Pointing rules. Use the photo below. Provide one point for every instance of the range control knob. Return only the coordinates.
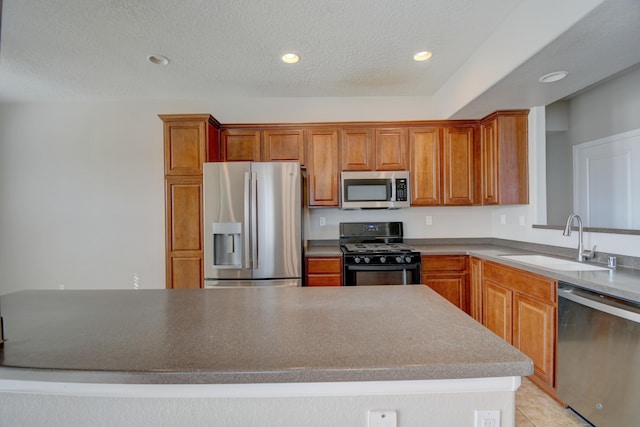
(356, 260)
(399, 259)
(367, 260)
(408, 259)
(383, 259)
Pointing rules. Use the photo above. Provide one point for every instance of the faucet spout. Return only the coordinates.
(567, 232)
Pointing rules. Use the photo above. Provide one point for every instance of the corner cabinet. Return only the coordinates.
(189, 141)
(503, 176)
(521, 308)
(442, 166)
(448, 276)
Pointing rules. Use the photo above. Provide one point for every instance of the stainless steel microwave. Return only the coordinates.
(375, 190)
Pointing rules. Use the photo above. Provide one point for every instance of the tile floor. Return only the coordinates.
(535, 409)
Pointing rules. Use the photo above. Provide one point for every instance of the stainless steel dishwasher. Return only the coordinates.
(599, 356)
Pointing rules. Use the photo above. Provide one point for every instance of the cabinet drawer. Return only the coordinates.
(444, 263)
(521, 281)
(324, 265)
(324, 280)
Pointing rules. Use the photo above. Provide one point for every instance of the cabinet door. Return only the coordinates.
(424, 155)
(475, 277)
(534, 334)
(322, 168)
(184, 243)
(357, 150)
(457, 166)
(283, 145)
(489, 166)
(324, 271)
(453, 287)
(185, 147)
(497, 309)
(239, 145)
(391, 149)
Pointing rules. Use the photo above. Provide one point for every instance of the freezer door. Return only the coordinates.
(227, 242)
(277, 247)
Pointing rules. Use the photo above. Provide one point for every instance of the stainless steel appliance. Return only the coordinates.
(375, 190)
(599, 356)
(374, 254)
(252, 220)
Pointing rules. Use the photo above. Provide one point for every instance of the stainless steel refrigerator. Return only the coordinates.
(252, 222)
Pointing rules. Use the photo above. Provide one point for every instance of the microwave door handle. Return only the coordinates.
(392, 190)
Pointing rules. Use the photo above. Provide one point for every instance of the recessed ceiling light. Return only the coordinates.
(158, 59)
(290, 58)
(422, 56)
(553, 77)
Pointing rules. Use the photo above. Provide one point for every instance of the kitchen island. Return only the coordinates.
(251, 356)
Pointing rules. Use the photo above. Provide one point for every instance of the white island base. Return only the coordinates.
(442, 403)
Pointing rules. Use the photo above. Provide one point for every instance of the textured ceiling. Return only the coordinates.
(62, 50)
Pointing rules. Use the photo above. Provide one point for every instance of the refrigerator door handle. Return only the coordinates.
(254, 220)
(247, 221)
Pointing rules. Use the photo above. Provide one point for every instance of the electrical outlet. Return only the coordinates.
(487, 419)
(428, 220)
(521, 220)
(503, 219)
(323, 221)
(61, 286)
(136, 281)
(383, 419)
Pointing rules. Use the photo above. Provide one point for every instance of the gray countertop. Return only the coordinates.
(620, 282)
(247, 335)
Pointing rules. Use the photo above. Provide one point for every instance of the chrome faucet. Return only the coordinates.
(582, 254)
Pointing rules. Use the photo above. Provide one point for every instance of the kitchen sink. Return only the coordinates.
(553, 263)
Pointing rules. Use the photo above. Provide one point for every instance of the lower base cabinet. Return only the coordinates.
(521, 307)
(448, 276)
(323, 271)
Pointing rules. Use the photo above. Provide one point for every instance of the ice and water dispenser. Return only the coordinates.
(227, 244)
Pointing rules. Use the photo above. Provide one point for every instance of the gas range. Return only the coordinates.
(375, 251)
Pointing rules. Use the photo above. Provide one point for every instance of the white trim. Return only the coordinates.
(469, 385)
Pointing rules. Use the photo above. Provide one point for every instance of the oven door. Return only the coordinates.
(367, 275)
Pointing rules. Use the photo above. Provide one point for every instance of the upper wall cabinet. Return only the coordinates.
(441, 165)
(323, 171)
(391, 149)
(503, 176)
(368, 149)
(255, 145)
(283, 145)
(189, 141)
(240, 145)
(357, 150)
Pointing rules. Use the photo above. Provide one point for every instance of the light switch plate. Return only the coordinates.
(383, 419)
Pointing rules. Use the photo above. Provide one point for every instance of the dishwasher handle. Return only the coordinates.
(614, 307)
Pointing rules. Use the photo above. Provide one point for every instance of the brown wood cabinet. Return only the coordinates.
(189, 141)
(357, 150)
(323, 170)
(457, 166)
(324, 271)
(391, 149)
(441, 166)
(284, 145)
(475, 285)
(521, 307)
(503, 176)
(240, 145)
(448, 276)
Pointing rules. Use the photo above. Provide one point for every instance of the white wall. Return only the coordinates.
(82, 196)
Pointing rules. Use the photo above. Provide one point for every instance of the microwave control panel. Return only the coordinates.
(401, 190)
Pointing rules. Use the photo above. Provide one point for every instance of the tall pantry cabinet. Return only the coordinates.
(189, 141)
